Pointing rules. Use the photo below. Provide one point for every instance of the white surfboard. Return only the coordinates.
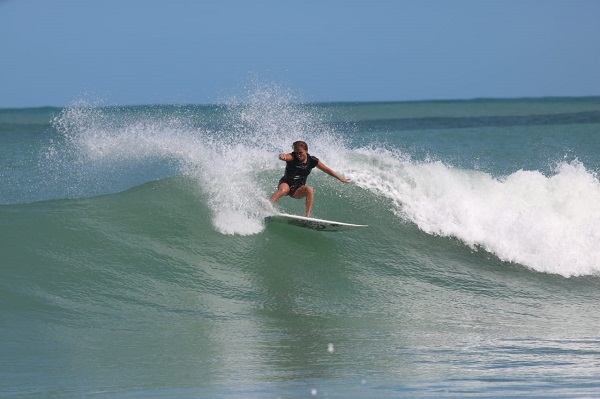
(312, 223)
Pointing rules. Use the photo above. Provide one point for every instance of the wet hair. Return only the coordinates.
(300, 145)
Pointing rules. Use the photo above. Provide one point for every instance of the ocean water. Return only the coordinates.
(135, 260)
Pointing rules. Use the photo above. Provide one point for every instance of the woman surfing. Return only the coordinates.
(299, 164)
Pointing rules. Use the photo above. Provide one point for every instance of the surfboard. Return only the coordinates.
(312, 223)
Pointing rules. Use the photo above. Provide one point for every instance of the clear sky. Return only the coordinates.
(53, 52)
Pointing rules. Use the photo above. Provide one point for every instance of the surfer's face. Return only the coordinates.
(301, 154)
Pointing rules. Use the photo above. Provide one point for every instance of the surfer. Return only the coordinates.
(299, 164)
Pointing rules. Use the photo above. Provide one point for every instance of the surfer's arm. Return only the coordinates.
(286, 157)
(330, 172)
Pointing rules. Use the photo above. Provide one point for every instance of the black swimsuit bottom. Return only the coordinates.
(293, 187)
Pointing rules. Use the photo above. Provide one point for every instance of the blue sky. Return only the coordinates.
(204, 51)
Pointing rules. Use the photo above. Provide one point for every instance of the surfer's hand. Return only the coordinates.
(344, 180)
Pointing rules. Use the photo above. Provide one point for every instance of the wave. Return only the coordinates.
(546, 222)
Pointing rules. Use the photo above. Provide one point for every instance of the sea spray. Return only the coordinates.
(233, 163)
(107, 149)
(242, 169)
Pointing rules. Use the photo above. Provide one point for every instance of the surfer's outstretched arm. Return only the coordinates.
(330, 172)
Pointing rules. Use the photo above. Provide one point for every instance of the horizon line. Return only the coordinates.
(310, 103)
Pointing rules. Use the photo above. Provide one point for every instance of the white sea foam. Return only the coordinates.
(547, 223)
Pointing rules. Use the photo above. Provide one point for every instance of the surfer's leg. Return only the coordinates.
(309, 193)
(282, 191)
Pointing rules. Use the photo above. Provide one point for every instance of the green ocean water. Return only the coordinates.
(135, 260)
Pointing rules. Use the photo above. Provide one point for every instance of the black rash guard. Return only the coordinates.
(296, 172)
